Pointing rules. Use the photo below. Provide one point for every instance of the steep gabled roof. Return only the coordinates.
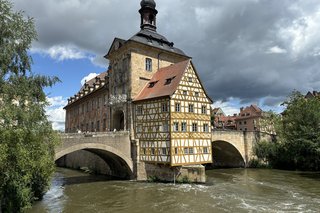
(161, 87)
(116, 44)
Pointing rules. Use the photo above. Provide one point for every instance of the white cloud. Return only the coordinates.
(61, 53)
(88, 78)
(57, 101)
(276, 50)
(229, 107)
(303, 33)
(56, 113)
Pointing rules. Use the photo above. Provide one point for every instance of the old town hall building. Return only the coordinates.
(152, 90)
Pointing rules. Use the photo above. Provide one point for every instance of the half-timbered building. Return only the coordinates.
(172, 117)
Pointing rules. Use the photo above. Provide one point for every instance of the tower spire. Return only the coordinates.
(148, 14)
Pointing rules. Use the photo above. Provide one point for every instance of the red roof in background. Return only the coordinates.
(160, 88)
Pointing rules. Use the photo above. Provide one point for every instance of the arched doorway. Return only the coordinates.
(118, 120)
(225, 155)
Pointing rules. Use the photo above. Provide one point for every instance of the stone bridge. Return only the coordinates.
(229, 148)
(235, 148)
(113, 147)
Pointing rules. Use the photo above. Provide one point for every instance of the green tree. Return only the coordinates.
(298, 136)
(26, 136)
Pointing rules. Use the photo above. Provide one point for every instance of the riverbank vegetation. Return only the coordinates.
(26, 136)
(298, 136)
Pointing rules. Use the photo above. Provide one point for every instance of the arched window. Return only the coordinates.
(151, 19)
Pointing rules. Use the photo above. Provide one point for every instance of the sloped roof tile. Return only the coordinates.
(160, 87)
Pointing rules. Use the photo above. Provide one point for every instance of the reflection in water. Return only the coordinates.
(227, 190)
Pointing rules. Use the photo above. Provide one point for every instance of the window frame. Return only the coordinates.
(204, 109)
(148, 64)
(194, 127)
(177, 107)
(191, 108)
(184, 127)
(176, 126)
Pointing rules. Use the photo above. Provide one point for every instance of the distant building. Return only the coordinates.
(249, 118)
(312, 94)
(89, 110)
(221, 121)
(217, 112)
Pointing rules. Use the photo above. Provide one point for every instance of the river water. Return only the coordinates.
(226, 190)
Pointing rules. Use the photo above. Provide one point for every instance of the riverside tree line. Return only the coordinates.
(26, 136)
(297, 144)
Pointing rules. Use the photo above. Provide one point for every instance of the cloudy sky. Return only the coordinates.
(246, 51)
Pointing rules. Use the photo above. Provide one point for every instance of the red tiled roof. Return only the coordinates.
(159, 79)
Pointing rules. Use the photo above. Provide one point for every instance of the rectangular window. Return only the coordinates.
(186, 151)
(165, 107)
(92, 127)
(98, 126)
(149, 64)
(205, 128)
(104, 125)
(165, 127)
(175, 151)
(190, 107)
(139, 128)
(190, 79)
(244, 122)
(144, 151)
(99, 102)
(194, 127)
(164, 151)
(191, 150)
(204, 110)
(184, 126)
(185, 93)
(177, 107)
(205, 150)
(93, 104)
(152, 151)
(196, 94)
(139, 110)
(175, 126)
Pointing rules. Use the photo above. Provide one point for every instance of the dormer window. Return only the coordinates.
(151, 84)
(169, 80)
(149, 64)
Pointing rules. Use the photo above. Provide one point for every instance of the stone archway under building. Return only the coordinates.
(118, 120)
(226, 155)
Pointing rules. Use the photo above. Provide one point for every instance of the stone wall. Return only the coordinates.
(166, 173)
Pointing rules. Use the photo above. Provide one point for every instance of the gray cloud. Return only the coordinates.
(246, 49)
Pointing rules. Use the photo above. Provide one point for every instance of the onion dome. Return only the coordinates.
(148, 3)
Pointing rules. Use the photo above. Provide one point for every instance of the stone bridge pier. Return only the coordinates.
(113, 147)
(235, 148)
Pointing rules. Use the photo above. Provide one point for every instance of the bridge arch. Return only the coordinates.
(118, 162)
(225, 154)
